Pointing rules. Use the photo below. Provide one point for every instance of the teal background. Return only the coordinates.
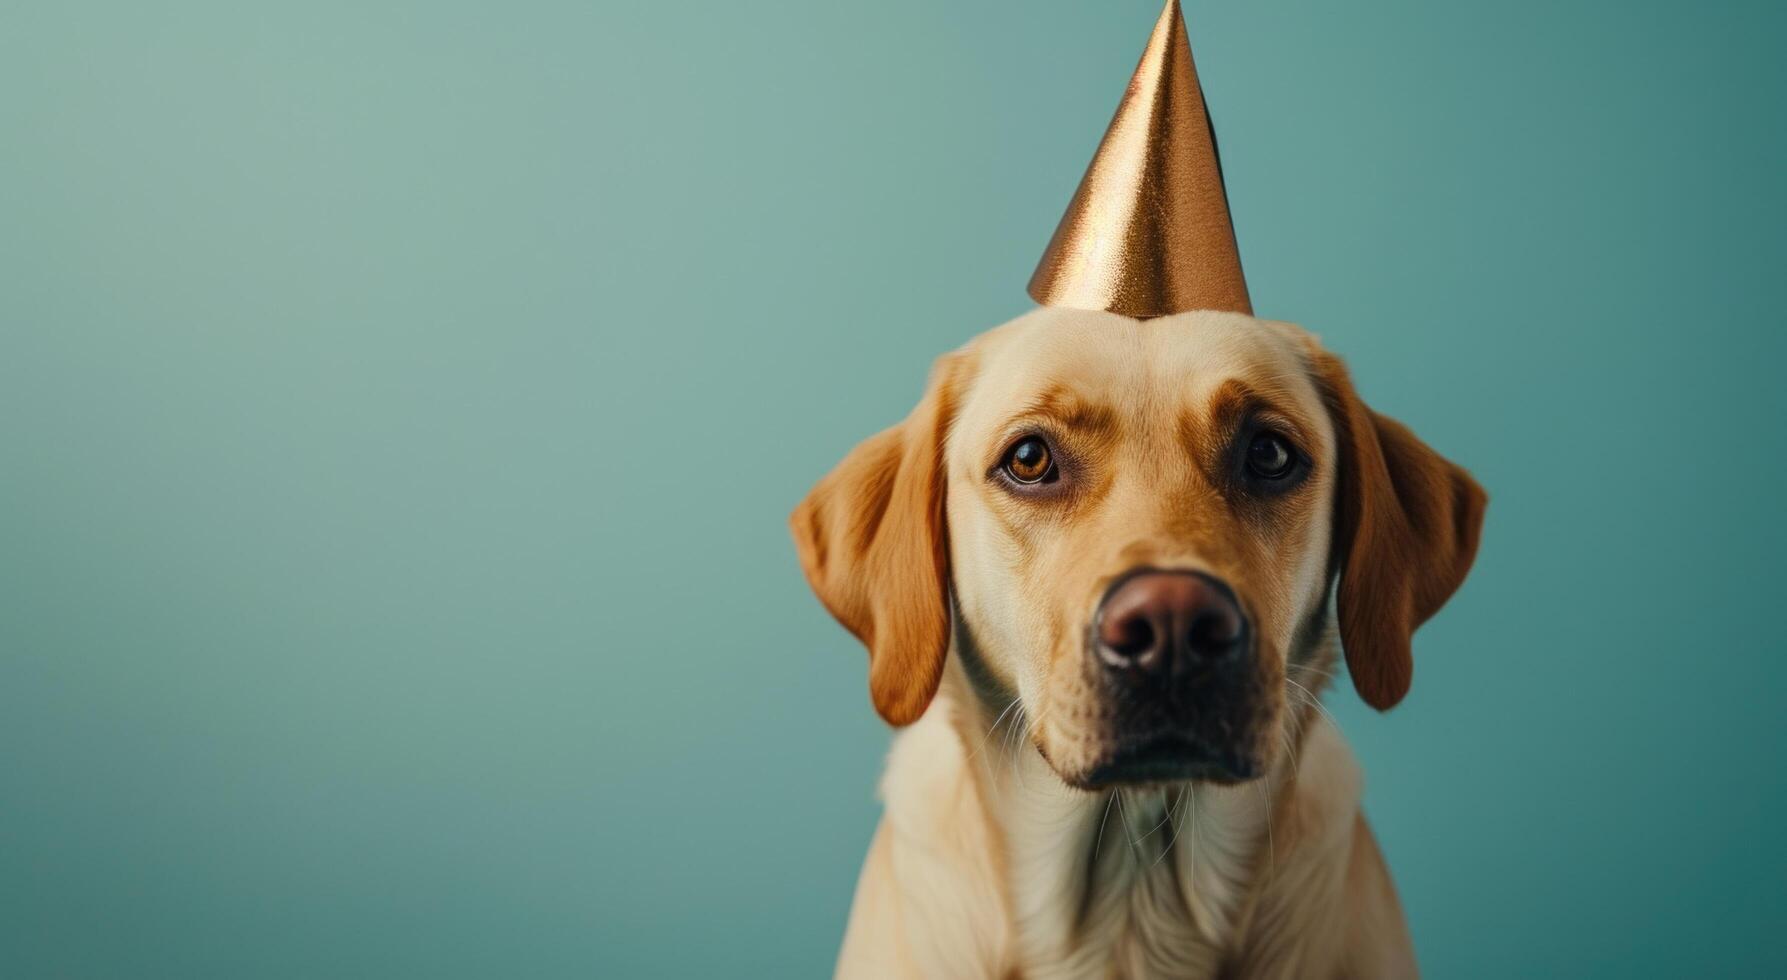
(400, 405)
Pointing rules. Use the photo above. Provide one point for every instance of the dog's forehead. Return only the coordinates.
(1111, 359)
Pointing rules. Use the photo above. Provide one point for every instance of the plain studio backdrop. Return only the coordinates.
(400, 406)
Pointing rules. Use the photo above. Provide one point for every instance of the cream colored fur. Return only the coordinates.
(987, 865)
(988, 862)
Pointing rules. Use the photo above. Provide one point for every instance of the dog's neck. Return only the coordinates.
(1158, 881)
(1157, 876)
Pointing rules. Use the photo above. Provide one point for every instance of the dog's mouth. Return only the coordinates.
(1168, 757)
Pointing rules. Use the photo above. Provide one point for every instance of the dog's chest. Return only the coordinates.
(1143, 884)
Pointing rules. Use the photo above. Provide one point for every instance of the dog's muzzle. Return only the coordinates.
(1175, 654)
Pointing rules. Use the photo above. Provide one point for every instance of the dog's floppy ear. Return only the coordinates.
(1406, 528)
(873, 544)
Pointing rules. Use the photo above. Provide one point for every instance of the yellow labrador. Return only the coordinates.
(1104, 570)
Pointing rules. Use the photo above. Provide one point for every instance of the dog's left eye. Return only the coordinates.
(1270, 457)
(1030, 461)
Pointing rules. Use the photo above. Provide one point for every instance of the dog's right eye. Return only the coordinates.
(1269, 457)
(1029, 461)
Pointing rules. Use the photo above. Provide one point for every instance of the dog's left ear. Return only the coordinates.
(873, 544)
(1406, 528)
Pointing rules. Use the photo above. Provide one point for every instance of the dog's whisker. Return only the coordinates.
(989, 759)
(1014, 703)
(1168, 849)
(1005, 745)
(1015, 740)
(1304, 690)
(1315, 702)
(986, 763)
(1099, 843)
(1319, 678)
(1196, 838)
(995, 727)
(1123, 818)
(1303, 701)
(1168, 815)
(1025, 741)
(1290, 751)
(1271, 848)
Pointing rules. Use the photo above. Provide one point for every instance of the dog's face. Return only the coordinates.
(1140, 523)
(1139, 515)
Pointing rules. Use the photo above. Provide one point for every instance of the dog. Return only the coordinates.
(1104, 570)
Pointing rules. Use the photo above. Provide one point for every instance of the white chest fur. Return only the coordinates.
(1002, 870)
(1145, 883)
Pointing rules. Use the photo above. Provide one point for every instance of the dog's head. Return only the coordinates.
(1140, 524)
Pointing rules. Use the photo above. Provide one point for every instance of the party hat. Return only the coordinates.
(1148, 233)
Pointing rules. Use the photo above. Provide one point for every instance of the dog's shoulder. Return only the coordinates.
(934, 875)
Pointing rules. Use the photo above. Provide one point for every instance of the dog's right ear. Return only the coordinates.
(1407, 522)
(873, 544)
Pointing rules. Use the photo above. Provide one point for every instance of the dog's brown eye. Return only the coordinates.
(1029, 461)
(1269, 457)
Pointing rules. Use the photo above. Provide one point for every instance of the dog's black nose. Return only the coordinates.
(1153, 624)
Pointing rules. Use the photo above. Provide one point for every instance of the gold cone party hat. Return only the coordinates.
(1148, 233)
